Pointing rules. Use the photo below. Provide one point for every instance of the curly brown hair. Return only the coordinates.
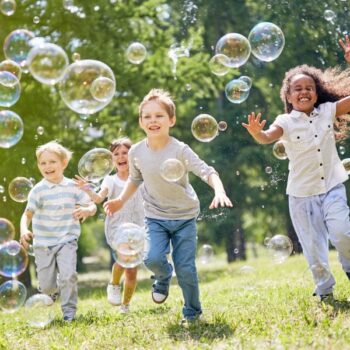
(332, 84)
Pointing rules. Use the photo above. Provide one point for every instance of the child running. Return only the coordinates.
(55, 206)
(171, 208)
(132, 212)
(314, 101)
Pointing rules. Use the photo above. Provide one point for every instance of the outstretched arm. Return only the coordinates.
(255, 128)
(84, 186)
(220, 197)
(114, 205)
(343, 105)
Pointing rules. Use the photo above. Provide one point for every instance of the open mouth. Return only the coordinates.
(122, 163)
(304, 99)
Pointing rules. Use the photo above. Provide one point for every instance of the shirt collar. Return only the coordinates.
(64, 182)
(297, 114)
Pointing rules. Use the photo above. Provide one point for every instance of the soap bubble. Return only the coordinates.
(205, 254)
(19, 189)
(12, 296)
(329, 15)
(237, 91)
(36, 19)
(13, 259)
(7, 230)
(222, 125)
(247, 80)
(103, 89)
(219, 64)
(17, 46)
(12, 67)
(346, 164)
(279, 150)
(11, 128)
(39, 311)
(136, 53)
(268, 170)
(95, 164)
(76, 56)
(128, 242)
(342, 150)
(267, 41)
(172, 170)
(10, 89)
(75, 87)
(47, 63)
(40, 130)
(204, 128)
(8, 7)
(236, 47)
(280, 248)
(320, 273)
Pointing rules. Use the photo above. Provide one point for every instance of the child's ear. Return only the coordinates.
(288, 98)
(172, 121)
(64, 163)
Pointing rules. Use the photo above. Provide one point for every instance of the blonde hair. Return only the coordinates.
(56, 148)
(161, 96)
(123, 141)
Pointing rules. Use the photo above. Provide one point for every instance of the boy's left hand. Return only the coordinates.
(346, 47)
(221, 199)
(81, 213)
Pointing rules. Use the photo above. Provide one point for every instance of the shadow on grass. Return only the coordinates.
(201, 330)
(338, 306)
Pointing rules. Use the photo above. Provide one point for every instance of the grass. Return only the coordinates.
(266, 307)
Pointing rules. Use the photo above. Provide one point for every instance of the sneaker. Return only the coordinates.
(327, 298)
(159, 297)
(113, 294)
(68, 318)
(124, 308)
(191, 321)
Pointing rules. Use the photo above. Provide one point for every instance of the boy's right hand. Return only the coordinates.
(254, 126)
(112, 206)
(25, 239)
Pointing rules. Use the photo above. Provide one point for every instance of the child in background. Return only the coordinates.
(171, 208)
(314, 101)
(133, 212)
(55, 206)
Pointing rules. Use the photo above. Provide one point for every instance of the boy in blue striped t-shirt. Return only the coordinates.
(55, 206)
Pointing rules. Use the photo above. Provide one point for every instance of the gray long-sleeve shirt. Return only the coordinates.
(163, 199)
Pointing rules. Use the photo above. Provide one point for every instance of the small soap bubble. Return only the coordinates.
(329, 15)
(8, 7)
(222, 125)
(172, 170)
(12, 296)
(39, 311)
(247, 80)
(7, 230)
(321, 273)
(279, 150)
(19, 189)
(23, 161)
(280, 247)
(103, 89)
(268, 170)
(40, 130)
(136, 53)
(204, 128)
(205, 254)
(346, 164)
(10, 89)
(219, 64)
(76, 56)
(2, 189)
(342, 150)
(237, 91)
(188, 87)
(11, 128)
(36, 19)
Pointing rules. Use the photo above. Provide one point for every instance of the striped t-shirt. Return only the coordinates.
(52, 206)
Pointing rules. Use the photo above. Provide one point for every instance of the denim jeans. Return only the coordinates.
(183, 237)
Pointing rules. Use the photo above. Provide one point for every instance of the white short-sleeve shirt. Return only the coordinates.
(314, 164)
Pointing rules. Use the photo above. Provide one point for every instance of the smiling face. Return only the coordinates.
(155, 120)
(120, 159)
(51, 166)
(302, 93)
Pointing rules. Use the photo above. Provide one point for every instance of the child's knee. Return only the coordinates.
(68, 278)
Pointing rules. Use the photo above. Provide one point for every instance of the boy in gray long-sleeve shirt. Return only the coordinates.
(171, 207)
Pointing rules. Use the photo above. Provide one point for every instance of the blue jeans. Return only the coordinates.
(183, 237)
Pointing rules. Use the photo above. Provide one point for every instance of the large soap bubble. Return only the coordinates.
(219, 64)
(237, 91)
(11, 128)
(280, 248)
(47, 62)
(19, 189)
(76, 86)
(17, 46)
(279, 151)
(13, 259)
(128, 242)
(12, 67)
(95, 164)
(12, 296)
(205, 254)
(10, 89)
(236, 47)
(7, 230)
(136, 53)
(39, 310)
(204, 128)
(267, 41)
(172, 170)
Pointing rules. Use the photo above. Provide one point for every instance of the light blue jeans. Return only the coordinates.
(317, 219)
(183, 237)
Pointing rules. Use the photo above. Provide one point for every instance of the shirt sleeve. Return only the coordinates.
(196, 165)
(134, 172)
(282, 122)
(33, 202)
(329, 109)
(83, 198)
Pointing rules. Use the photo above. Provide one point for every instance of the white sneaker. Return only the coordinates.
(159, 298)
(113, 294)
(124, 308)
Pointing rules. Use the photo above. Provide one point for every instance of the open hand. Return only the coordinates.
(81, 183)
(346, 47)
(254, 126)
(112, 206)
(220, 199)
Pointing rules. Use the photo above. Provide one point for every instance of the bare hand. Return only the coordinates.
(25, 240)
(81, 213)
(220, 199)
(346, 47)
(112, 206)
(254, 126)
(81, 183)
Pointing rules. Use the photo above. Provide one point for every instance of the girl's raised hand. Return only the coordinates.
(81, 183)
(346, 47)
(254, 126)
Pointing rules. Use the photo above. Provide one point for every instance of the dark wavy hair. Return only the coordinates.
(123, 141)
(331, 85)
